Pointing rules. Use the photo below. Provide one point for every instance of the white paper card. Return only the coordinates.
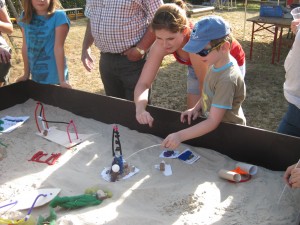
(168, 169)
(10, 123)
(106, 176)
(62, 138)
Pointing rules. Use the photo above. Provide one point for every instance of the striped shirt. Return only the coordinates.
(117, 25)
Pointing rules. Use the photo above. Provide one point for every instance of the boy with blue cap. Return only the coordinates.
(223, 90)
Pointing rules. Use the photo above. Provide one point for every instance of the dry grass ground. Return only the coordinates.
(263, 107)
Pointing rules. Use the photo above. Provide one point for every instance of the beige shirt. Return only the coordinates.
(225, 88)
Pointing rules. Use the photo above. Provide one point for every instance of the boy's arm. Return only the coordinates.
(212, 122)
(61, 33)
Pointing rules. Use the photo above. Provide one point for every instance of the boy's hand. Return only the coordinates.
(144, 117)
(292, 176)
(172, 141)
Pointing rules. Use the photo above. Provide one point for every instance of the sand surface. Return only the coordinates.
(193, 194)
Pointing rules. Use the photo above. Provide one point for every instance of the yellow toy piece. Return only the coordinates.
(31, 221)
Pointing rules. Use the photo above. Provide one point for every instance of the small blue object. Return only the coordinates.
(168, 153)
(186, 155)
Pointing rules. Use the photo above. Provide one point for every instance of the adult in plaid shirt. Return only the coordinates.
(5, 51)
(120, 29)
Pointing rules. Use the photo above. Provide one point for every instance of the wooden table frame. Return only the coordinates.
(267, 23)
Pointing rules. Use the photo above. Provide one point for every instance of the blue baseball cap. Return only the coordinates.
(207, 29)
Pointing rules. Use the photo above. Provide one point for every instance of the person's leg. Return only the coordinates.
(108, 67)
(290, 123)
(193, 89)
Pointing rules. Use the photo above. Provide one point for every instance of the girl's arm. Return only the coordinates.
(141, 91)
(215, 117)
(200, 68)
(5, 23)
(61, 33)
(25, 59)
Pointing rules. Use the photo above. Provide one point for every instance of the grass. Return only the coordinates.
(264, 105)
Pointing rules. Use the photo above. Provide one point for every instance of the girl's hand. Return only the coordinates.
(22, 78)
(64, 84)
(144, 117)
(192, 113)
(5, 56)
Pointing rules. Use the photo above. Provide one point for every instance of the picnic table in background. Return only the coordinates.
(74, 12)
(268, 23)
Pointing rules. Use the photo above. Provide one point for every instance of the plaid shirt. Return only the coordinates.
(117, 25)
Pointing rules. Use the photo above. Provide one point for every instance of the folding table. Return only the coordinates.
(268, 23)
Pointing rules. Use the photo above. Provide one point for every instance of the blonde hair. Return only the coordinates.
(171, 17)
(29, 9)
(220, 40)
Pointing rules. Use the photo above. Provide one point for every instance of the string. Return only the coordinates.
(8, 221)
(48, 121)
(286, 185)
(142, 150)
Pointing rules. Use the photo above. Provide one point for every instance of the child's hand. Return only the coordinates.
(172, 141)
(64, 84)
(292, 176)
(294, 25)
(192, 113)
(144, 117)
(22, 78)
(5, 56)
